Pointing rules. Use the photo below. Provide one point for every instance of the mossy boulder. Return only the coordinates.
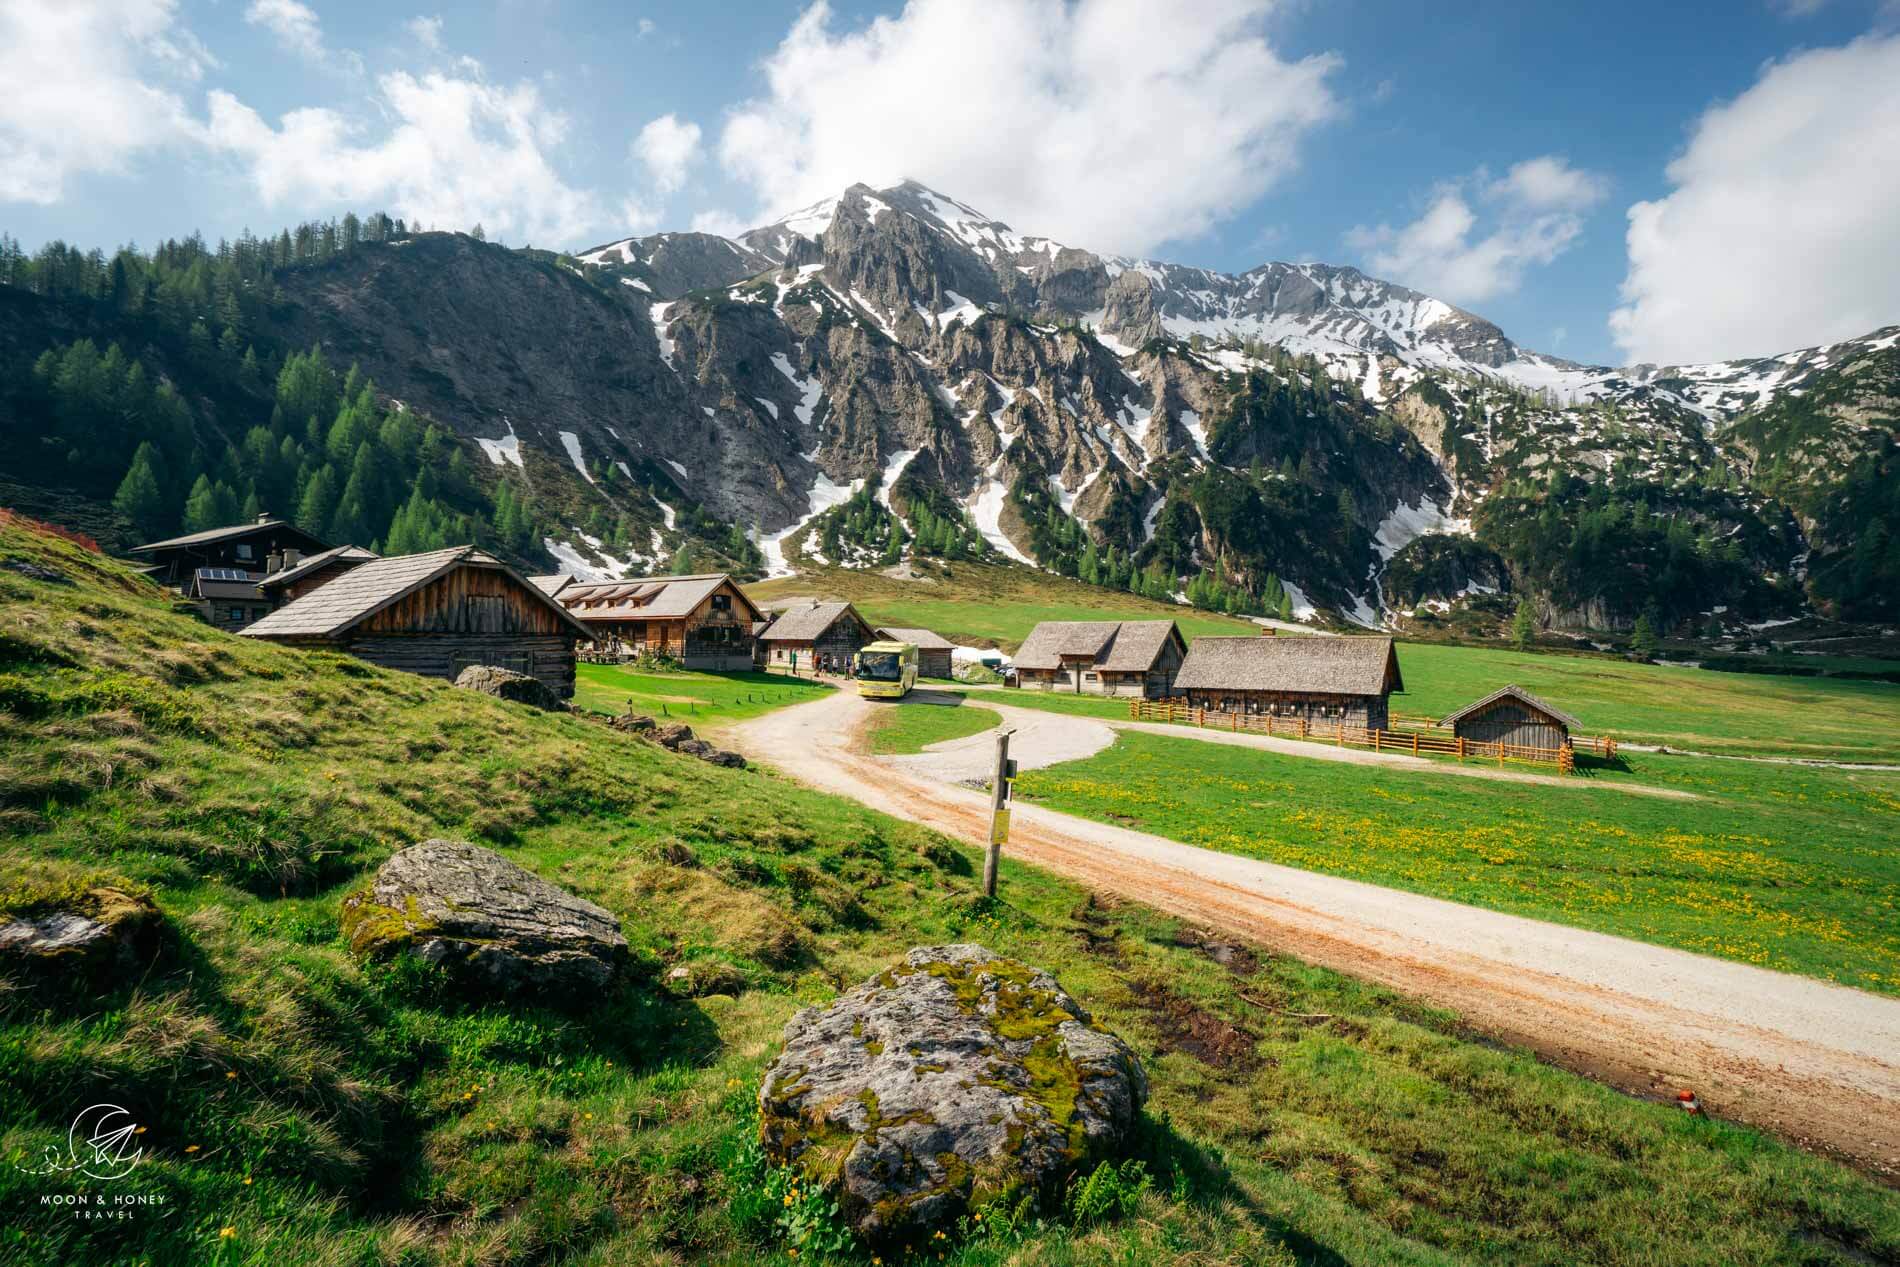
(508, 684)
(86, 934)
(485, 921)
(950, 1078)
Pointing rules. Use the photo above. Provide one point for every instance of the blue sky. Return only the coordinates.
(1489, 153)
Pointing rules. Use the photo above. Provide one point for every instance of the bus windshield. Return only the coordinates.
(880, 666)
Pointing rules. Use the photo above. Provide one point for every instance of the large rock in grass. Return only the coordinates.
(507, 684)
(485, 920)
(100, 931)
(953, 1077)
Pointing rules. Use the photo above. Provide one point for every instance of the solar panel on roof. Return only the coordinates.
(223, 574)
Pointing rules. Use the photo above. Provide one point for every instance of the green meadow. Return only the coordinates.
(307, 1109)
(1787, 867)
(912, 725)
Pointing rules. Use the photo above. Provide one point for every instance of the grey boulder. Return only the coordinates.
(507, 684)
(950, 1078)
(485, 920)
(99, 931)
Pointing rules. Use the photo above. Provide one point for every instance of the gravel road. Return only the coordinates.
(1817, 1063)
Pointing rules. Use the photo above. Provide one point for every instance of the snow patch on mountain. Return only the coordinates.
(1407, 523)
(893, 469)
(506, 449)
(987, 511)
(572, 443)
(824, 494)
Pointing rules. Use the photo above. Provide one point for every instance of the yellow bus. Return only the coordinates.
(885, 670)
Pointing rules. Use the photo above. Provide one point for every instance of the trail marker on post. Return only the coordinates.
(999, 810)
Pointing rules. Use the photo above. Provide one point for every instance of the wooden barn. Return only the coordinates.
(297, 576)
(933, 650)
(704, 621)
(1101, 657)
(825, 634)
(435, 614)
(1325, 681)
(1512, 715)
(241, 547)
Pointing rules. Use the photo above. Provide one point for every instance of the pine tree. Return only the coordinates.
(138, 498)
(1643, 638)
(317, 508)
(208, 506)
(1523, 624)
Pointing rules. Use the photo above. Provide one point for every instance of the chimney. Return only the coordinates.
(263, 517)
(292, 556)
(273, 563)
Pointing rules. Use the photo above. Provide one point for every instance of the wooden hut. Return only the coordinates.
(1325, 681)
(933, 650)
(1512, 715)
(435, 614)
(827, 634)
(705, 621)
(288, 583)
(1101, 657)
(240, 547)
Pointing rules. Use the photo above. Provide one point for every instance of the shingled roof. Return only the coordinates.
(1519, 693)
(922, 639)
(360, 593)
(808, 624)
(644, 597)
(210, 535)
(306, 566)
(1052, 640)
(1128, 646)
(1325, 666)
(552, 583)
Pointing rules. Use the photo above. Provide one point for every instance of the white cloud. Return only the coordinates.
(456, 151)
(668, 147)
(1117, 124)
(427, 31)
(294, 25)
(78, 94)
(645, 28)
(1783, 228)
(1531, 215)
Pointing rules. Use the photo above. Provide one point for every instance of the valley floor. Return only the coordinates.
(1808, 1059)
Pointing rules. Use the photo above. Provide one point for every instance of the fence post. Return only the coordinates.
(1375, 740)
(999, 811)
(1341, 738)
(1461, 747)
(1415, 743)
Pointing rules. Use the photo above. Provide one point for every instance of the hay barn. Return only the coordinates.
(1322, 680)
(435, 614)
(1512, 715)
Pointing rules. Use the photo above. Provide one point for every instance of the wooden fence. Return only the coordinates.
(1417, 742)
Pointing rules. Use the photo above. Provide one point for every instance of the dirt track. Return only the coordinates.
(1816, 1063)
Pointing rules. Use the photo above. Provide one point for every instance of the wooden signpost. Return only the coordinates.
(999, 810)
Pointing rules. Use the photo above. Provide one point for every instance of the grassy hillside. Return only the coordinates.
(303, 1108)
(1785, 867)
(1830, 719)
(984, 604)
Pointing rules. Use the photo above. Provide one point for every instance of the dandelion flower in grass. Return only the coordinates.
(247, 1181)
(191, 1148)
(226, 1233)
(230, 1073)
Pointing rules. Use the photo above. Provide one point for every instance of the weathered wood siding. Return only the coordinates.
(933, 662)
(549, 657)
(1318, 708)
(468, 600)
(1512, 721)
